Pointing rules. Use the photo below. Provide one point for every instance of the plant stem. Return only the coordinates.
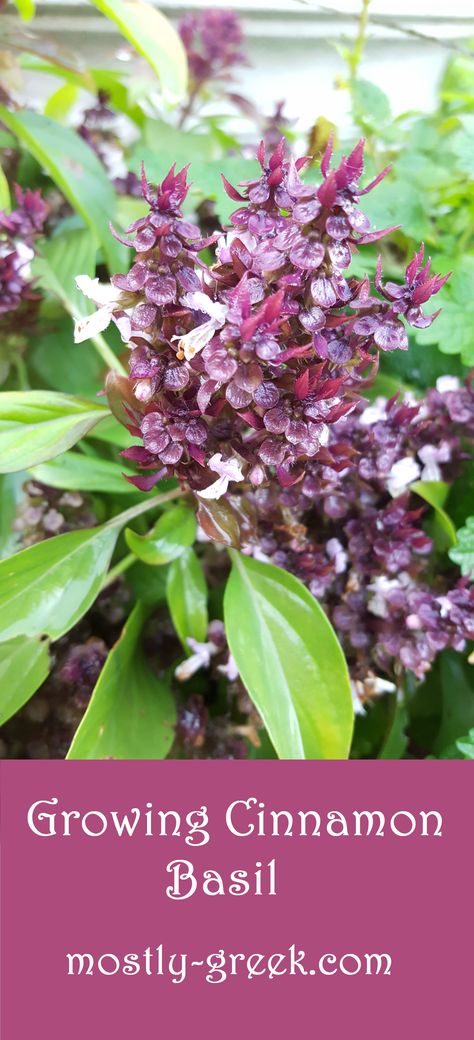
(144, 507)
(119, 568)
(355, 57)
(107, 354)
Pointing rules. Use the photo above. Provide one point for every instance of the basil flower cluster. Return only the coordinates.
(18, 233)
(239, 368)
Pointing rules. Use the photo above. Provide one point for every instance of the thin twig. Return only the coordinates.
(388, 23)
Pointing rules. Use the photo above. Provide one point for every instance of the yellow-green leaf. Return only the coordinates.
(154, 37)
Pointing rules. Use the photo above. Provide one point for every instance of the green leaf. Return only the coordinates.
(290, 661)
(154, 37)
(76, 472)
(60, 259)
(207, 180)
(59, 103)
(131, 714)
(37, 425)
(60, 364)
(463, 551)
(396, 740)
(111, 432)
(5, 200)
(371, 105)
(11, 493)
(205, 173)
(173, 532)
(463, 145)
(435, 492)
(186, 593)
(24, 665)
(48, 587)
(26, 9)
(148, 584)
(76, 171)
(466, 745)
(457, 714)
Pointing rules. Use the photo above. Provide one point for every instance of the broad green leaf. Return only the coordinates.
(60, 364)
(463, 551)
(418, 367)
(77, 172)
(5, 200)
(187, 597)
(154, 37)
(131, 714)
(11, 493)
(398, 201)
(24, 665)
(76, 472)
(290, 661)
(111, 432)
(37, 425)
(60, 259)
(173, 532)
(148, 584)
(457, 693)
(26, 9)
(435, 492)
(48, 587)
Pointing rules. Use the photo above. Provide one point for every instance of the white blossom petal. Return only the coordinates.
(402, 474)
(92, 324)
(215, 490)
(374, 412)
(200, 301)
(195, 341)
(101, 293)
(228, 469)
(447, 384)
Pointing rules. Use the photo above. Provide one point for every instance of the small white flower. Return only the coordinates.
(228, 469)
(380, 587)
(446, 384)
(201, 658)
(431, 456)
(193, 342)
(402, 474)
(337, 554)
(107, 299)
(413, 623)
(445, 606)
(356, 701)
(374, 412)
(229, 669)
(379, 685)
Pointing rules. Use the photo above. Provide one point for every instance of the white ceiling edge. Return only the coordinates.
(432, 10)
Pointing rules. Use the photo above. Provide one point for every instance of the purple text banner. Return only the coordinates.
(225, 899)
